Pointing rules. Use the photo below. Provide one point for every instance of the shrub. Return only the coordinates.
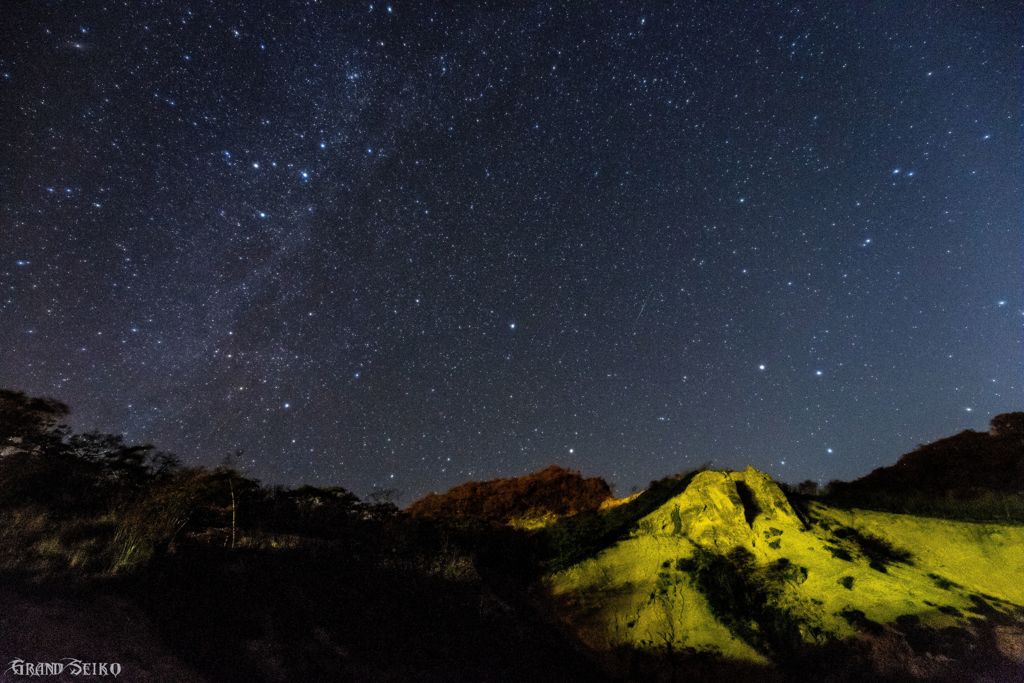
(573, 539)
(880, 552)
(149, 525)
(1007, 424)
(860, 621)
(742, 597)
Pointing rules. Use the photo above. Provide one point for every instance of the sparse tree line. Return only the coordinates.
(242, 579)
(137, 501)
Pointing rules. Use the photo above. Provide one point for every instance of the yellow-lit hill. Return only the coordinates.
(189, 573)
(728, 567)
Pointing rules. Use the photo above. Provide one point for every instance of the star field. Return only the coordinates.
(402, 245)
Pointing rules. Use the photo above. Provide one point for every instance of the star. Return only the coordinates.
(469, 174)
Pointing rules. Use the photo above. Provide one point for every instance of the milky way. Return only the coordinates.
(405, 245)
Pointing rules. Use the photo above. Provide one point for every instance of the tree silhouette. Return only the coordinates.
(28, 423)
(1007, 424)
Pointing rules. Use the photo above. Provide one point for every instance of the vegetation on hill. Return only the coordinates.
(551, 492)
(972, 475)
(573, 538)
(704, 575)
(728, 568)
(217, 577)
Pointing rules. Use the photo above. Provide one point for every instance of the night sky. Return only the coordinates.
(404, 245)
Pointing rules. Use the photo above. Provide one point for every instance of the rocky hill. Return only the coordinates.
(729, 569)
(116, 551)
(551, 492)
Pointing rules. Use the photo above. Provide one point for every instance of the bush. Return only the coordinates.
(741, 597)
(880, 552)
(1007, 424)
(150, 524)
(573, 539)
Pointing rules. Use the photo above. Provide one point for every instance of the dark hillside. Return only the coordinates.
(116, 551)
(971, 474)
(120, 552)
(553, 490)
